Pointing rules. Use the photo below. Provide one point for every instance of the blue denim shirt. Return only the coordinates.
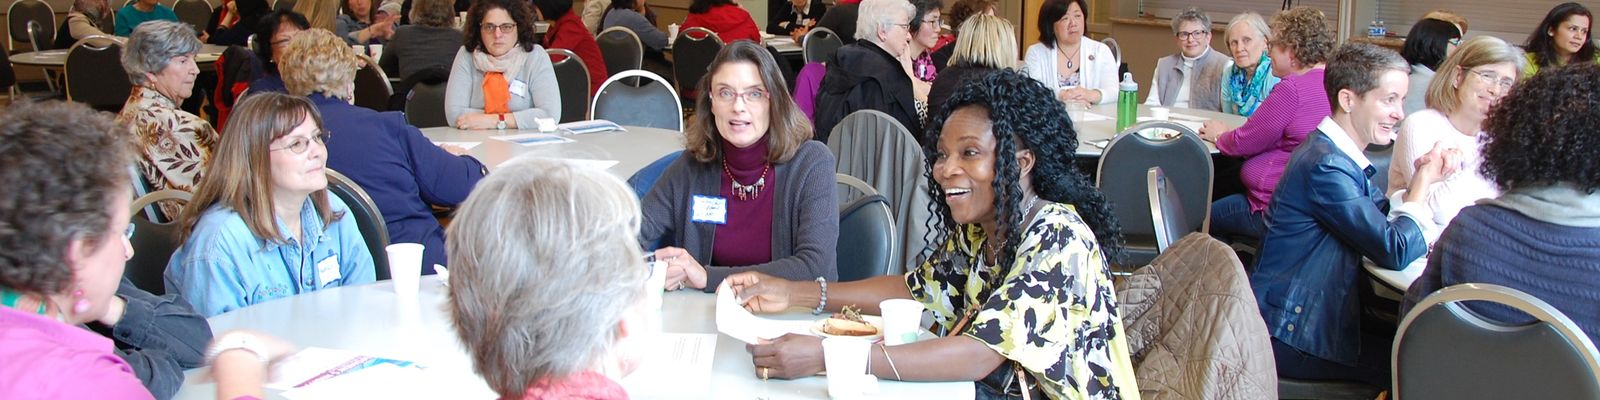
(223, 266)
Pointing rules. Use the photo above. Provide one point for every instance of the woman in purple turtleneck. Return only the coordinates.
(752, 191)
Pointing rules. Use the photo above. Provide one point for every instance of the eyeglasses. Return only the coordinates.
(129, 232)
(933, 22)
(1455, 41)
(509, 27)
(1196, 34)
(727, 96)
(300, 144)
(905, 25)
(1492, 78)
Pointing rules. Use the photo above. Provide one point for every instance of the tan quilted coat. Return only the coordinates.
(1193, 327)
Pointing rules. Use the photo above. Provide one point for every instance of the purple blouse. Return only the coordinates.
(63, 361)
(1293, 109)
(747, 237)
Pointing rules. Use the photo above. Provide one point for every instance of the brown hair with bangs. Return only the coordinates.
(240, 174)
(788, 128)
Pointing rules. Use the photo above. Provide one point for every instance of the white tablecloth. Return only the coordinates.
(371, 320)
(632, 149)
(1101, 125)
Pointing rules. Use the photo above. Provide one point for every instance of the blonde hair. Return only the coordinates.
(1443, 93)
(1448, 16)
(316, 61)
(544, 262)
(320, 13)
(985, 40)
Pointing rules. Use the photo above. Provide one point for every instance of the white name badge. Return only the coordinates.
(709, 209)
(328, 270)
(519, 88)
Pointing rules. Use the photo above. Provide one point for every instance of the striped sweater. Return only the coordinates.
(1290, 112)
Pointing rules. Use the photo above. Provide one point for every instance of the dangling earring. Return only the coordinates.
(80, 305)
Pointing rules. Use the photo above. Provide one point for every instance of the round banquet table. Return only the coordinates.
(632, 149)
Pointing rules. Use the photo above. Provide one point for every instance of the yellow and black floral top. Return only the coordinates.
(174, 145)
(1055, 311)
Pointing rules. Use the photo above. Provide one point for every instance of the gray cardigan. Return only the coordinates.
(805, 215)
(464, 93)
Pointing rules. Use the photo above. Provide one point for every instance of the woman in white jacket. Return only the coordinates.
(1077, 67)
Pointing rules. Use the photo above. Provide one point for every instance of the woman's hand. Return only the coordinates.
(477, 121)
(787, 357)
(1431, 168)
(1212, 130)
(682, 269)
(761, 292)
(1079, 94)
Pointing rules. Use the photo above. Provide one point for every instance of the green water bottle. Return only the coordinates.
(1127, 102)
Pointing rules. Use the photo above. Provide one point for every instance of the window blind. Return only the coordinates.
(1484, 17)
(1223, 10)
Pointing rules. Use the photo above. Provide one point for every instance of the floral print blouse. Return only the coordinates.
(174, 145)
(1055, 311)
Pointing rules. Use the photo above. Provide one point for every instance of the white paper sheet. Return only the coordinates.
(735, 321)
(464, 145)
(678, 365)
(316, 364)
(533, 139)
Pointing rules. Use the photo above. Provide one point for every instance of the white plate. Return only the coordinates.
(875, 321)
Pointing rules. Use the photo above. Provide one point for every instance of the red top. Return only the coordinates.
(730, 22)
(569, 33)
(586, 385)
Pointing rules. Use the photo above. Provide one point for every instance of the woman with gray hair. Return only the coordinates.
(1248, 78)
(404, 172)
(871, 74)
(86, 18)
(547, 291)
(1190, 78)
(175, 145)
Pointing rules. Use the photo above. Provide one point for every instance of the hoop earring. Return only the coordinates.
(80, 305)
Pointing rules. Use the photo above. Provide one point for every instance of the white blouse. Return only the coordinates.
(1097, 68)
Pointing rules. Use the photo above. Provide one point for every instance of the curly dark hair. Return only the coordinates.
(1304, 31)
(1052, 11)
(1025, 115)
(1428, 41)
(1543, 132)
(1543, 46)
(66, 165)
(521, 14)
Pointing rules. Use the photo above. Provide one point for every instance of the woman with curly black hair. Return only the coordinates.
(1023, 254)
(1542, 235)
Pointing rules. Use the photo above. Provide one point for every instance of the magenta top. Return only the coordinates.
(61, 361)
(747, 237)
(1290, 112)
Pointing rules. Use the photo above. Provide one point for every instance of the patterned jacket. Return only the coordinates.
(174, 145)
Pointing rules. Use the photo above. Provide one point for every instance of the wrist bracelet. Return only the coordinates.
(822, 301)
(890, 360)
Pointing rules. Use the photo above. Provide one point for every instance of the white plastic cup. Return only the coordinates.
(901, 320)
(376, 50)
(405, 267)
(845, 359)
(672, 31)
(1160, 113)
(1077, 110)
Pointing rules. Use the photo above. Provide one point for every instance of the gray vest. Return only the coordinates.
(1204, 90)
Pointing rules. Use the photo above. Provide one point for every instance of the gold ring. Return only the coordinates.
(764, 372)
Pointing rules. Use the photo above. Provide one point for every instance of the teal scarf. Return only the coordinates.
(1244, 95)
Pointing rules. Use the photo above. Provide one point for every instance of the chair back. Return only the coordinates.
(1122, 177)
(39, 38)
(372, 86)
(645, 178)
(572, 76)
(425, 108)
(819, 44)
(1380, 156)
(653, 103)
(1166, 210)
(621, 49)
(1116, 49)
(196, 13)
(874, 147)
(867, 243)
(368, 219)
(95, 75)
(1444, 350)
(692, 53)
(23, 11)
(153, 242)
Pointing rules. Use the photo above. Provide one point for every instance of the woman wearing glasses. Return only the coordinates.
(751, 192)
(502, 78)
(1066, 60)
(1191, 78)
(262, 225)
(1469, 84)
(872, 74)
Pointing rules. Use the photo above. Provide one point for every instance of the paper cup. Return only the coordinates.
(672, 31)
(405, 267)
(845, 358)
(1160, 113)
(901, 318)
(1077, 110)
(376, 51)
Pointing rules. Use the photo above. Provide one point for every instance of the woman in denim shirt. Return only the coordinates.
(261, 225)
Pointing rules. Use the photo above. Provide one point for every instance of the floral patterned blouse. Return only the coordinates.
(174, 145)
(1055, 311)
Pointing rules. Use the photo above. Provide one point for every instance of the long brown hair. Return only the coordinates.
(240, 174)
(788, 128)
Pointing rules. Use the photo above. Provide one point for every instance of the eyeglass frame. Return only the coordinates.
(321, 138)
(718, 96)
(1491, 78)
(509, 27)
(1194, 34)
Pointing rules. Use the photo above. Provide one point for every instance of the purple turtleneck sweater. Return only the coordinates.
(747, 237)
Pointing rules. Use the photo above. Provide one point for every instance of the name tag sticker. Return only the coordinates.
(328, 270)
(519, 88)
(709, 209)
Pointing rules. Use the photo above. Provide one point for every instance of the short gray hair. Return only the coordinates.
(1252, 20)
(877, 15)
(1191, 14)
(544, 262)
(152, 46)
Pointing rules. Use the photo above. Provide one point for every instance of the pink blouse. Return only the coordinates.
(62, 361)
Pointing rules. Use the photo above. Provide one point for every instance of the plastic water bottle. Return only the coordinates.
(1127, 102)
(1372, 29)
(1382, 30)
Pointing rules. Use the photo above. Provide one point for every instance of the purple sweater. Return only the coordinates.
(747, 238)
(1290, 112)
